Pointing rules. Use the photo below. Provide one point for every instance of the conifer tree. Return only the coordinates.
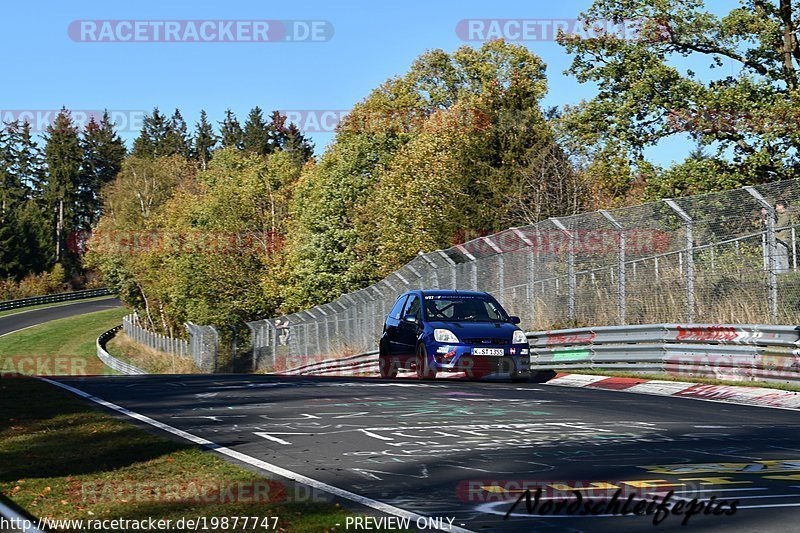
(63, 158)
(151, 140)
(297, 144)
(177, 140)
(257, 136)
(231, 131)
(205, 140)
(103, 153)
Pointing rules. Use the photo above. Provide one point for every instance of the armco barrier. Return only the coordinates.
(112, 362)
(366, 363)
(729, 352)
(721, 351)
(53, 298)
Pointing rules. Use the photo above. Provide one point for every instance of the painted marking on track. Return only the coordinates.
(217, 418)
(21, 329)
(375, 435)
(258, 463)
(272, 437)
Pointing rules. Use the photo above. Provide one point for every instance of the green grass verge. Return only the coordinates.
(690, 379)
(67, 344)
(44, 306)
(61, 457)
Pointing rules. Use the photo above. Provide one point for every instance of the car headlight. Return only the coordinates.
(519, 337)
(444, 335)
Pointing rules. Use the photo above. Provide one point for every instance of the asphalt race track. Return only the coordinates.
(25, 319)
(453, 448)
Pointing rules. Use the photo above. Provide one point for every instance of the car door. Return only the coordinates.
(391, 326)
(407, 331)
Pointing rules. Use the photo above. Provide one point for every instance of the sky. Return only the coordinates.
(51, 60)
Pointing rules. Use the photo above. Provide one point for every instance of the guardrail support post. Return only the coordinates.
(621, 298)
(772, 254)
(689, 264)
(571, 279)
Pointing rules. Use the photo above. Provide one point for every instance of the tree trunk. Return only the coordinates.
(789, 43)
(59, 229)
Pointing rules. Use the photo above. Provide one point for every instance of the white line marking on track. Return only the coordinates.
(18, 330)
(375, 435)
(258, 463)
(271, 436)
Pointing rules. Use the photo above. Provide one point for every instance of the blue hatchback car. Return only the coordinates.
(433, 331)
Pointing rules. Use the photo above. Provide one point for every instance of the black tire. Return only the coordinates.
(520, 380)
(387, 369)
(423, 370)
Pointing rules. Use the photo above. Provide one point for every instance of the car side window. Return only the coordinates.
(398, 308)
(492, 311)
(413, 307)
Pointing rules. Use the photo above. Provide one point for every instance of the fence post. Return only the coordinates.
(530, 286)
(356, 329)
(434, 267)
(326, 323)
(689, 263)
(256, 342)
(274, 340)
(571, 279)
(352, 318)
(501, 279)
(416, 273)
(233, 348)
(339, 336)
(473, 264)
(772, 255)
(621, 297)
(453, 274)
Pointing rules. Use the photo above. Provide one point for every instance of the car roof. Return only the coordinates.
(441, 292)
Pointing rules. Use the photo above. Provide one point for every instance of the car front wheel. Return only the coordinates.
(424, 371)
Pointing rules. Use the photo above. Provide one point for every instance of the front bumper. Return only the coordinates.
(514, 363)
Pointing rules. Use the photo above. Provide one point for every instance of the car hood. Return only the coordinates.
(477, 329)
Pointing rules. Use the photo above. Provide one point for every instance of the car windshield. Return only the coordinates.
(463, 309)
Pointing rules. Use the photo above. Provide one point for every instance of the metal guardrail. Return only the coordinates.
(112, 362)
(722, 351)
(53, 298)
(354, 364)
(728, 352)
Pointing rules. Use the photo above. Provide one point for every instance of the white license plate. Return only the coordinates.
(487, 351)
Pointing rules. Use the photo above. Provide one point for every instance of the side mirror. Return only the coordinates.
(410, 318)
(514, 320)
